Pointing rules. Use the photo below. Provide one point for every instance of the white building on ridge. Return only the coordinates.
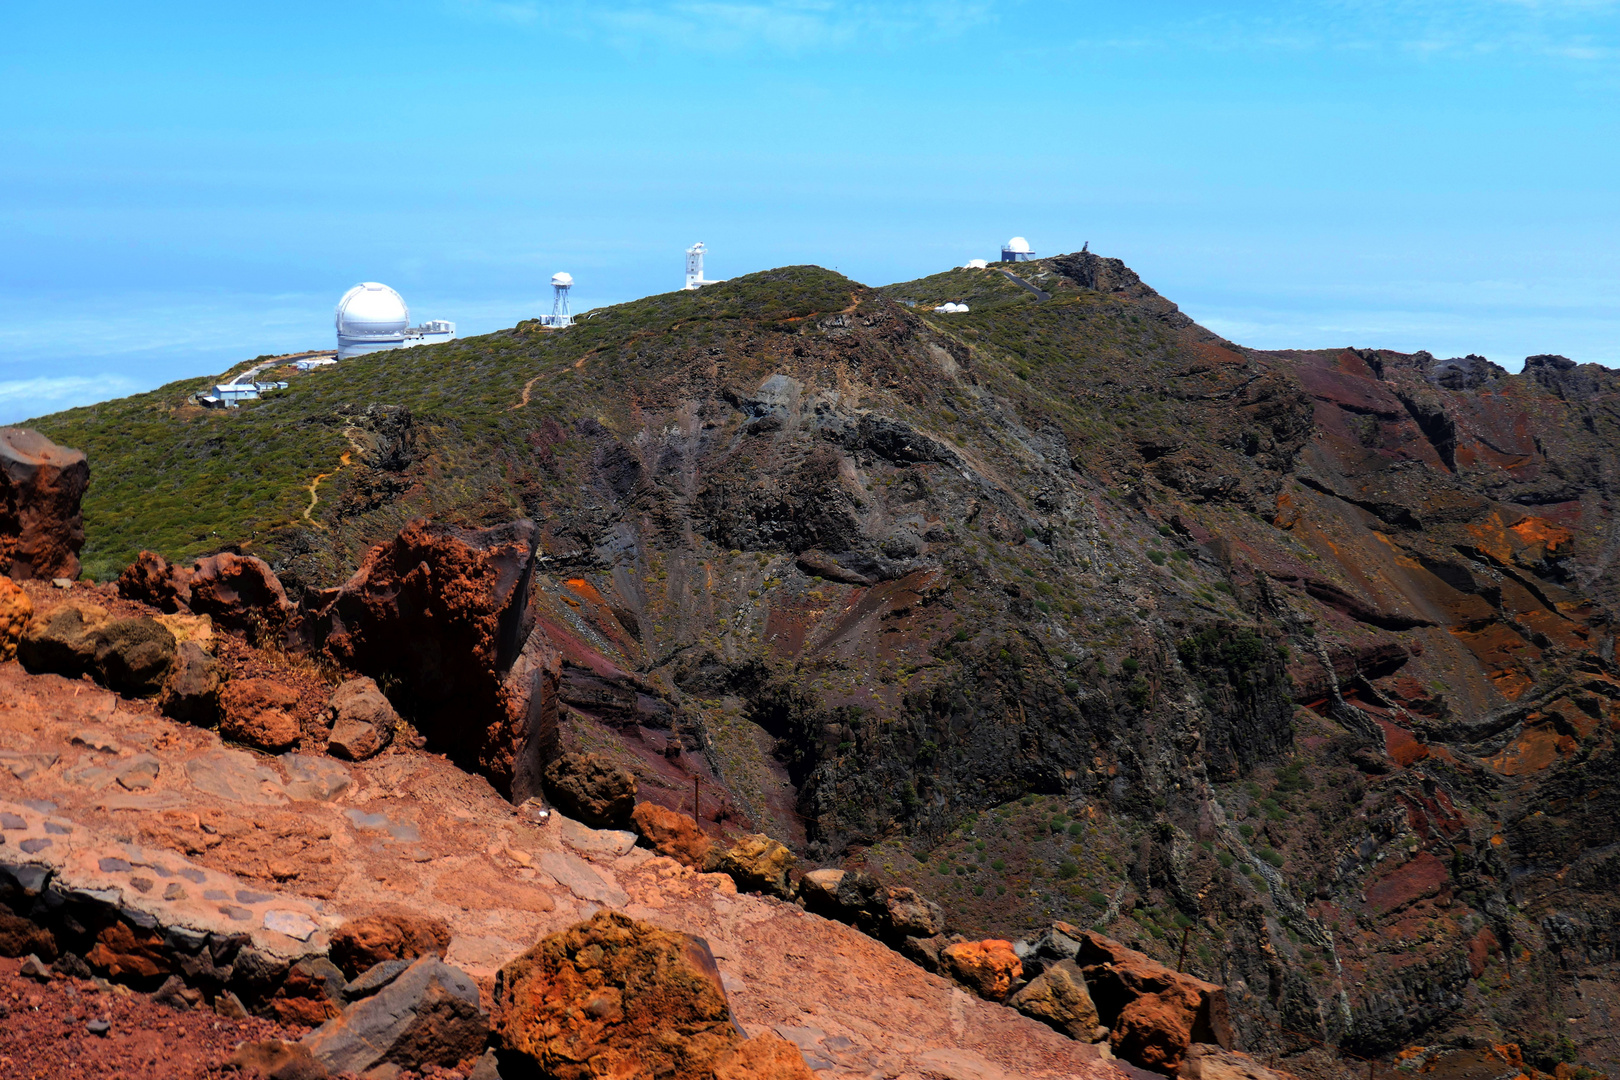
(694, 267)
(1017, 250)
(372, 317)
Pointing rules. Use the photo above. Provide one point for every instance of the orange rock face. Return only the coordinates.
(615, 997)
(1154, 1013)
(764, 1057)
(988, 967)
(15, 612)
(443, 613)
(671, 833)
(41, 525)
(259, 713)
(390, 934)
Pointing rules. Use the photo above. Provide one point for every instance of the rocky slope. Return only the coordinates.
(1061, 608)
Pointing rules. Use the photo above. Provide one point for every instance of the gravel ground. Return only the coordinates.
(44, 1033)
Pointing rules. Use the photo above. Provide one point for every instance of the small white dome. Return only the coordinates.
(976, 264)
(562, 279)
(1019, 246)
(372, 309)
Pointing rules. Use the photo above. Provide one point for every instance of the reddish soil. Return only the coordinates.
(44, 1035)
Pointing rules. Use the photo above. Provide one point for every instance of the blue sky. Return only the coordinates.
(186, 185)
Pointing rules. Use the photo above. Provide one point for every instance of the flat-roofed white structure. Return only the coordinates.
(372, 317)
(1017, 250)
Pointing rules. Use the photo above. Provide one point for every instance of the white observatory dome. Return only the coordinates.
(562, 280)
(1018, 246)
(372, 309)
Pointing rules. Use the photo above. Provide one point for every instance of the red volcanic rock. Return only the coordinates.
(764, 1057)
(20, 937)
(1481, 947)
(41, 525)
(1422, 875)
(592, 789)
(1155, 1014)
(988, 968)
(240, 592)
(442, 612)
(129, 953)
(276, 1060)
(671, 833)
(391, 933)
(15, 612)
(616, 997)
(152, 579)
(259, 712)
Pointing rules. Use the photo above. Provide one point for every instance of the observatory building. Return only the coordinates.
(560, 315)
(372, 317)
(694, 267)
(1017, 250)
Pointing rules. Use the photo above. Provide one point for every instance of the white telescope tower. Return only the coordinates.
(694, 267)
(559, 317)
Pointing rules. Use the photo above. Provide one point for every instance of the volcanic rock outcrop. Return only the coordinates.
(41, 523)
(1294, 668)
(442, 613)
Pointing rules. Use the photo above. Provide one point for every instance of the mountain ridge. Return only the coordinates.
(1300, 647)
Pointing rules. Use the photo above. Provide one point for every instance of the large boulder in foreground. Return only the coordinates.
(442, 612)
(131, 656)
(1154, 1014)
(617, 997)
(427, 1014)
(41, 524)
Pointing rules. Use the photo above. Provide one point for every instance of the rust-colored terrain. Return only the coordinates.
(1061, 609)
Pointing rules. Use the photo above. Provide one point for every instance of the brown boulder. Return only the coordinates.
(616, 997)
(764, 1057)
(361, 719)
(259, 713)
(672, 833)
(152, 579)
(16, 610)
(191, 694)
(910, 914)
(988, 968)
(1154, 1013)
(41, 525)
(757, 864)
(1058, 998)
(240, 592)
(443, 613)
(592, 789)
(391, 933)
(62, 640)
(311, 994)
(133, 656)
(273, 1059)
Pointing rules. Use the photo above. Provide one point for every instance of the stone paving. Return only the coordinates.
(184, 832)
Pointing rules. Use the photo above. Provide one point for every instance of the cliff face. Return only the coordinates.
(1058, 609)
